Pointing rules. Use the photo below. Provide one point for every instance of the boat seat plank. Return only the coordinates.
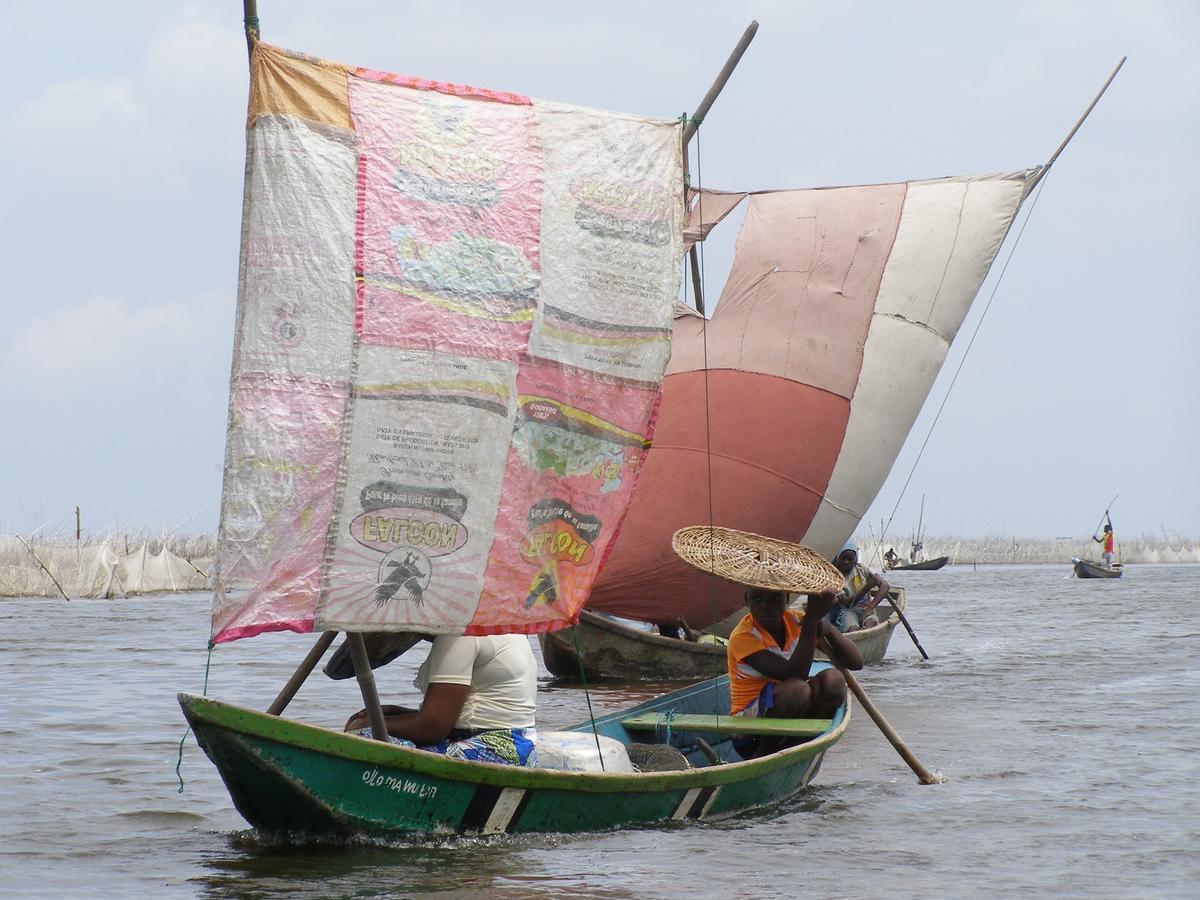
(650, 721)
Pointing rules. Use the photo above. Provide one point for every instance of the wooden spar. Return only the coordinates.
(689, 131)
(45, 568)
(714, 91)
(366, 683)
(922, 773)
(250, 23)
(301, 674)
(1046, 168)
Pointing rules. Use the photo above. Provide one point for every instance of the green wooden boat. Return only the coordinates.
(288, 778)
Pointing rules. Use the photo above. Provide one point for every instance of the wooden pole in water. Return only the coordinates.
(77, 529)
(366, 683)
(923, 774)
(301, 674)
(689, 131)
(45, 568)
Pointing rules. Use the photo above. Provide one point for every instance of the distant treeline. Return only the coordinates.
(1010, 549)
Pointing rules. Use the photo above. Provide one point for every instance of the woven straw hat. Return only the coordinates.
(756, 561)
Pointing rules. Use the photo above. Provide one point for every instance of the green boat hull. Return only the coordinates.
(290, 778)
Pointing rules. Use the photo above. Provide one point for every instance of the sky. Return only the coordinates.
(122, 145)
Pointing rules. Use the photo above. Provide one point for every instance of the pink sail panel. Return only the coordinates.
(834, 321)
(760, 482)
(450, 206)
(566, 487)
(706, 210)
(454, 316)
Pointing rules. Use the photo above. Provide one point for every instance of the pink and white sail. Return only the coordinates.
(799, 392)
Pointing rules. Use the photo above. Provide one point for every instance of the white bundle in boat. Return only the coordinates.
(575, 751)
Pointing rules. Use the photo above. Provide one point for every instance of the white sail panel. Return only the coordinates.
(611, 235)
(950, 231)
(297, 307)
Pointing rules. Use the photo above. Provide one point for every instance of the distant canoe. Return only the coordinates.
(927, 565)
(612, 650)
(1085, 568)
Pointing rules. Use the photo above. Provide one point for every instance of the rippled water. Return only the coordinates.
(1064, 713)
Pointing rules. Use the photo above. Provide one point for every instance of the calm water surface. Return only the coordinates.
(1064, 713)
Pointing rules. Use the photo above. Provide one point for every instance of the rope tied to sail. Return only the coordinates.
(203, 693)
(588, 695)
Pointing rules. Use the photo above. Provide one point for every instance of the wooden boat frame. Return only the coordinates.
(612, 650)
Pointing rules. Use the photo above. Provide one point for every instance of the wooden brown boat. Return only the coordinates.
(610, 649)
(925, 565)
(1085, 568)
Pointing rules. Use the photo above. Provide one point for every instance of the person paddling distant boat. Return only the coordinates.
(1108, 540)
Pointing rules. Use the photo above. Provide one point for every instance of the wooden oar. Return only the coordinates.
(923, 774)
(912, 634)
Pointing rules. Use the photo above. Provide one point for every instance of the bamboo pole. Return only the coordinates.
(250, 24)
(45, 568)
(301, 674)
(717, 86)
(1087, 112)
(923, 774)
(689, 131)
(366, 683)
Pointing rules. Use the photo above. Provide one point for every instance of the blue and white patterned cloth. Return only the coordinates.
(508, 746)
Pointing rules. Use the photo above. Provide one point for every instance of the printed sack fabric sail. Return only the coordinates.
(454, 314)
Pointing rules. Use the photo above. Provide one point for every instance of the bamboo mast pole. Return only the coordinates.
(250, 23)
(366, 683)
(689, 132)
(1087, 112)
(301, 674)
(358, 651)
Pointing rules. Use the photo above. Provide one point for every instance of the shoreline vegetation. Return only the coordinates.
(1014, 550)
(126, 564)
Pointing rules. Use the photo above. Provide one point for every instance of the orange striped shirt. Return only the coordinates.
(747, 639)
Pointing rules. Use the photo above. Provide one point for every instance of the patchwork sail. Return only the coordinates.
(837, 315)
(454, 314)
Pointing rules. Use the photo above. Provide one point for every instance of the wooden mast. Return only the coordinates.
(689, 131)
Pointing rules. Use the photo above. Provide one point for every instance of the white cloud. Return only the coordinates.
(105, 341)
(156, 118)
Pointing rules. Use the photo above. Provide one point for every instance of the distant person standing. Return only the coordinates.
(918, 552)
(1108, 541)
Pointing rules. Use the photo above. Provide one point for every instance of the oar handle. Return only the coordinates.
(923, 774)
